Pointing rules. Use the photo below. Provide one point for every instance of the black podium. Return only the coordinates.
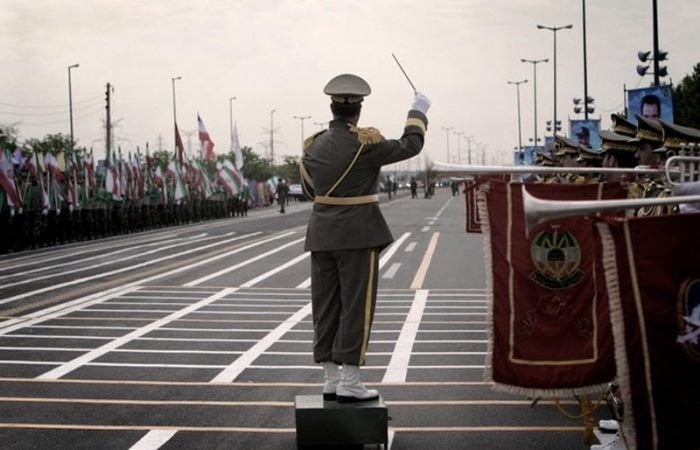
(348, 425)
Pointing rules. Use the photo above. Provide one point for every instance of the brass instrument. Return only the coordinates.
(538, 210)
(457, 170)
(687, 169)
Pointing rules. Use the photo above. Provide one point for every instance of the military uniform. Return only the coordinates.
(346, 231)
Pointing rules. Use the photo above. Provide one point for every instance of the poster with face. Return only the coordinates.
(654, 102)
(585, 132)
(528, 155)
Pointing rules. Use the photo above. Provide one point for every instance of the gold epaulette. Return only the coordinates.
(369, 135)
(309, 140)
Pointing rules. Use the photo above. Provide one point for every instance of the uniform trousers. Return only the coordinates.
(343, 298)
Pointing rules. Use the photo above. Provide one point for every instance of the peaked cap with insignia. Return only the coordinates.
(347, 88)
(623, 126)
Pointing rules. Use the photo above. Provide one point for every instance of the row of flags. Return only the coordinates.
(71, 177)
(207, 144)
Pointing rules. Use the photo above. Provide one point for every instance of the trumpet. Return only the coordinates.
(449, 169)
(687, 169)
(538, 210)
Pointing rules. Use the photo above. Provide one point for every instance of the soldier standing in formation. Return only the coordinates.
(346, 231)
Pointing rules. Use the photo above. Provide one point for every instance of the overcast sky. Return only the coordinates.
(279, 55)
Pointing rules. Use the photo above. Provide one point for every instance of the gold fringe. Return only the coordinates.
(618, 325)
(369, 135)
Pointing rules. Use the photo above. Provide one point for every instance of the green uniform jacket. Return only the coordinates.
(327, 156)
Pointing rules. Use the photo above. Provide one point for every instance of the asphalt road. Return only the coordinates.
(199, 337)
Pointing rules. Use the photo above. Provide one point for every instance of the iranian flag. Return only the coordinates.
(34, 168)
(159, 180)
(112, 180)
(54, 166)
(227, 178)
(7, 179)
(207, 148)
(173, 172)
(180, 148)
(236, 147)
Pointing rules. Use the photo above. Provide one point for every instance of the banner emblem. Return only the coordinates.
(556, 256)
(689, 317)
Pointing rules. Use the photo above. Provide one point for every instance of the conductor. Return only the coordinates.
(346, 231)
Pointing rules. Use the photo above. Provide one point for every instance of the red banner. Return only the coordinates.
(549, 327)
(473, 219)
(653, 275)
(471, 189)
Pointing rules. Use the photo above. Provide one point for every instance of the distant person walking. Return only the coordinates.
(282, 193)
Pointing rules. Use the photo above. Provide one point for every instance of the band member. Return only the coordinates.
(346, 232)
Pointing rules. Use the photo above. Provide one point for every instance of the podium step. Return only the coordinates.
(349, 425)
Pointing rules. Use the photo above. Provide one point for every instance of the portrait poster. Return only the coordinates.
(654, 102)
(585, 132)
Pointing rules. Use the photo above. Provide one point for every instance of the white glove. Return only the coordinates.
(421, 103)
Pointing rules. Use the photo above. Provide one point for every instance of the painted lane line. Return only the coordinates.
(383, 260)
(398, 366)
(100, 256)
(106, 263)
(410, 247)
(244, 361)
(425, 263)
(441, 430)
(391, 271)
(277, 270)
(94, 354)
(92, 247)
(424, 229)
(153, 439)
(246, 262)
(148, 263)
(64, 308)
(393, 249)
(245, 384)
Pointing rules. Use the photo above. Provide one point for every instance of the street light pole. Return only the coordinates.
(469, 149)
(302, 118)
(272, 137)
(447, 134)
(520, 132)
(175, 111)
(70, 103)
(459, 145)
(656, 43)
(534, 63)
(585, 65)
(554, 32)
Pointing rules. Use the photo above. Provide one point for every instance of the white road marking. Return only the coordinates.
(105, 263)
(100, 256)
(244, 361)
(246, 262)
(153, 439)
(383, 260)
(92, 247)
(279, 269)
(144, 264)
(62, 309)
(398, 366)
(391, 271)
(410, 247)
(424, 229)
(60, 371)
(425, 263)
